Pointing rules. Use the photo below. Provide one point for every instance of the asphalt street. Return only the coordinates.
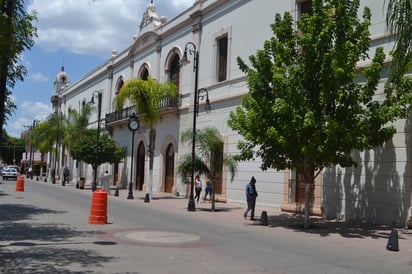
(45, 229)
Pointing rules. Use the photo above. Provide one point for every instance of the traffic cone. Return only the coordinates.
(393, 241)
(98, 211)
(147, 198)
(20, 184)
(264, 218)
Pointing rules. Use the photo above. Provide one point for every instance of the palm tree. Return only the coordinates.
(147, 95)
(76, 123)
(399, 24)
(208, 141)
(76, 127)
(47, 133)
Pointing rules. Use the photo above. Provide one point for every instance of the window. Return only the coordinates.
(222, 40)
(143, 72)
(222, 59)
(119, 85)
(305, 7)
(174, 70)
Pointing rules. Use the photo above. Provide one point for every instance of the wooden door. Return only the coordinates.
(169, 170)
(300, 189)
(140, 166)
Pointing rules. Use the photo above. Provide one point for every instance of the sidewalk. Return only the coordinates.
(374, 236)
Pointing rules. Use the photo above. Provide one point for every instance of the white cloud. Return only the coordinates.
(27, 113)
(35, 110)
(39, 77)
(94, 27)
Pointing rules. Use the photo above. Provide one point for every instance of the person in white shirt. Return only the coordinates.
(198, 187)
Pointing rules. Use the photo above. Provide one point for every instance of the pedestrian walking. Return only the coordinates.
(208, 188)
(251, 195)
(105, 181)
(66, 174)
(198, 187)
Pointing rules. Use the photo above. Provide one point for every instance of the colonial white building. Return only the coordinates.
(219, 31)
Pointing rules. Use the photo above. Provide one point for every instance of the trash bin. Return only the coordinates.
(81, 183)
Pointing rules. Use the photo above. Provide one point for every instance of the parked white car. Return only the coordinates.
(10, 172)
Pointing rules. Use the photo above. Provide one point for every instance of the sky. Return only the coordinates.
(79, 35)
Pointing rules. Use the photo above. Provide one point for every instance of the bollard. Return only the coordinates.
(81, 182)
(98, 211)
(264, 218)
(393, 241)
(147, 198)
(20, 184)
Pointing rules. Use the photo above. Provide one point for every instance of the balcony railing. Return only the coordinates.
(166, 103)
(119, 115)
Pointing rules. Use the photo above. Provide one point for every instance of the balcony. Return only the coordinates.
(166, 104)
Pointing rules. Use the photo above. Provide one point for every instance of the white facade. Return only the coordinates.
(379, 190)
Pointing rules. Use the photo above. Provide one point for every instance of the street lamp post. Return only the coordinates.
(133, 125)
(191, 204)
(197, 94)
(54, 169)
(31, 157)
(99, 108)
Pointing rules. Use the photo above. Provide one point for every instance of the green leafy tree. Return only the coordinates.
(147, 95)
(306, 109)
(11, 149)
(46, 137)
(9, 107)
(45, 134)
(42, 136)
(58, 129)
(207, 142)
(399, 24)
(76, 123)
(17, 35)
(39, 138)
(84, 149)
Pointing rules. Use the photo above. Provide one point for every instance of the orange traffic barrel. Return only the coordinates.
(98, 211)
(20, 183)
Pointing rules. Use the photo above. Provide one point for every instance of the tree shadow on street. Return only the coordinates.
(31, 247)
(325, 228)
(16, 212)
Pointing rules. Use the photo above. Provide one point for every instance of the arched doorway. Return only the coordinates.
(140, 167)
(169, 169)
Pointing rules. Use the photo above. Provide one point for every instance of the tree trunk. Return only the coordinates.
(307, 204)
(7, 8)
(308, 176)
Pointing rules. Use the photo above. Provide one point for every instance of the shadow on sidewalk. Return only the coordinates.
(325, 228)
(219, 209)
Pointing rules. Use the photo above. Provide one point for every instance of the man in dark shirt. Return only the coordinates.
(251, 195)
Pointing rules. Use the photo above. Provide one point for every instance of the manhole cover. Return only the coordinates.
(162, 237)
